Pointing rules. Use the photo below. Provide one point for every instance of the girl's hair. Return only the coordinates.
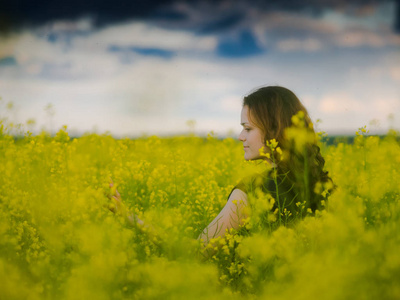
(272, 109)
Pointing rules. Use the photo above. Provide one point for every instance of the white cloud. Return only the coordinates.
(339, 103)
(292, 32)
(231, 103)
(293, 44)
(76, 56)
(83, 24)
(142, 34)
(288, 22)
(341, 112)
(385, 106)
(358, 38)
(153, 95)
(308, 100)
(395, 73)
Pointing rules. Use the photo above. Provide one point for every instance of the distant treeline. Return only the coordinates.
(348, 139)
(327, 140)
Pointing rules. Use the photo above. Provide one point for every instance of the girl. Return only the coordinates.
(278, 130)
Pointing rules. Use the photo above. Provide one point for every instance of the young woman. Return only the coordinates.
(277, 129)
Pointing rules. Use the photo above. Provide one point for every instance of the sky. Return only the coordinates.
(134, 68)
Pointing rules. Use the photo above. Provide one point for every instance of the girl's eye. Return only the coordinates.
(247, 129)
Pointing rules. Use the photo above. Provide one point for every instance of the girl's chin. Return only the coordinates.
(247, 157)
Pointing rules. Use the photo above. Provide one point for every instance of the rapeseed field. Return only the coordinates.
(60, 240)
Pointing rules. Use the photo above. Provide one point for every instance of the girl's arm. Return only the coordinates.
(231, 216)
(119, 208)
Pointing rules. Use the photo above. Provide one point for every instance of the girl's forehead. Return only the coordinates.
(245, 115)
(245, 112)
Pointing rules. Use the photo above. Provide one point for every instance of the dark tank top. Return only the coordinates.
(265, 182)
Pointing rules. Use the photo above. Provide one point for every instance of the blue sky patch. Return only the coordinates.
(244, 45)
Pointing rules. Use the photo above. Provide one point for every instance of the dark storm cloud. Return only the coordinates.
(397, 19)
(222, 23)
(14, 14)
(168, 13)
(19, 13)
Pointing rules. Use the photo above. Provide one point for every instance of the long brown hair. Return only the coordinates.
(272, 109)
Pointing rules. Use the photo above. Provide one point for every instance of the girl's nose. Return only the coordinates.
(240, 138)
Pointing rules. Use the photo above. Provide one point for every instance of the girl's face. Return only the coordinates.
(251, 136)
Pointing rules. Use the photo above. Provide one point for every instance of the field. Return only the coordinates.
(59, 239)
